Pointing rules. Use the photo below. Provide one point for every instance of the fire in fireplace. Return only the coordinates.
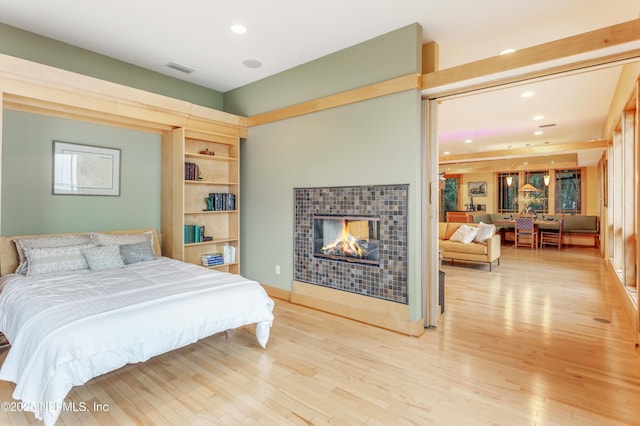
(347, 238)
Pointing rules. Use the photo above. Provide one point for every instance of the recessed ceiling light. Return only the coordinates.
(527, 94)
(252, 63)
(238, 29)
(468, 140)
(538, 117)
(507, 51)
(446, 153)
(538, 132)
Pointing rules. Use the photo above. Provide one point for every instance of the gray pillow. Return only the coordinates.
(49, 260)
(102, 258)
(137, 252)
(25, 243)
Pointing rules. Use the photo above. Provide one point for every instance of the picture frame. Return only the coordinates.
(477, 189)
(85, 170)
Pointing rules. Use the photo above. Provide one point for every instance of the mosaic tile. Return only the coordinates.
(387, 281)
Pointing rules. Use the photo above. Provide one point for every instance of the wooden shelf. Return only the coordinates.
(207, 182)
(214, 241)
(224, 265)
(209, 157)
(212, 212)
(185, 204)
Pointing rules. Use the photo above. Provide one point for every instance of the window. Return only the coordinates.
(569, 191)
(507, 194)
(450, 196)
(538, 201)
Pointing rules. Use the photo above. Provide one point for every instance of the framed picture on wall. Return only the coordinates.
(85, 170)
(477, 189)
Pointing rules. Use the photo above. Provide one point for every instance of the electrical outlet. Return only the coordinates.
(277, 269)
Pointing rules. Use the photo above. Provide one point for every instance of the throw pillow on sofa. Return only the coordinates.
(485, 231)
(464, 234)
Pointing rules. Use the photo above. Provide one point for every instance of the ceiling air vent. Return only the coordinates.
(547, 125)
(179, 67)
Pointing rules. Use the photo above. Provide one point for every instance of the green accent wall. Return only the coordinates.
(373, 142)
(388, 56)
(28, 206)
(33, 47)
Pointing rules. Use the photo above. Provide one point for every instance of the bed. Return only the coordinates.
(68, 324)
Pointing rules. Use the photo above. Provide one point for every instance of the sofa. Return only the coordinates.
(576, 229)
(487, 251)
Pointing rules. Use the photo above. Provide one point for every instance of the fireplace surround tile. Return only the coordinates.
(387, 281)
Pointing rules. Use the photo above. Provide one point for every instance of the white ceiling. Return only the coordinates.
(573, 108)
(285, 33)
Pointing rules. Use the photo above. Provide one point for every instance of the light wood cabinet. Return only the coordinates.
(184, 200)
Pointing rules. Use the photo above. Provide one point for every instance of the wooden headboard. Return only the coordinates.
(9, 254)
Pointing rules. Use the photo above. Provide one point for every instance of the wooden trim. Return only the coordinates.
(430, 57)
(624, 93)
(380, 313)
(33, 87)
(558, 49)
(396, 85)
(277, 293)
(628, 307)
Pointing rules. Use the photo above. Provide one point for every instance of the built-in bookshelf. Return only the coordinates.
(203, 214)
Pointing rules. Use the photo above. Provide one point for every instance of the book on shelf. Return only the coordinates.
(195, 234)
(212, 259)
(221, 201)
(191, 171)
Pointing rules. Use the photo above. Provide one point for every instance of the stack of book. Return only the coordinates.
(195, 234)
(190, 171)
(212, 259)
(221, 201)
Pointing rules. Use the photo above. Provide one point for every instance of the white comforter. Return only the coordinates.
(67, 328)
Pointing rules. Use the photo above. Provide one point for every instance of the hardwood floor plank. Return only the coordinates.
(524, 344)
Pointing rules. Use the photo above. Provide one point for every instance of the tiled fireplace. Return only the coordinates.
(353, 239)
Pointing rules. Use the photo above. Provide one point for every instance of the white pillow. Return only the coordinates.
(464, 234)
(485, 231)
(56, 259)
(23, 244)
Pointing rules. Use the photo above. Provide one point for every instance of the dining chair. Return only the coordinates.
(526, 233)
(552, 237)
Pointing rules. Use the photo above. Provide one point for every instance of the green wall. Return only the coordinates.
(391, 55)
(28, 207)
(33, 47)
(366, 143)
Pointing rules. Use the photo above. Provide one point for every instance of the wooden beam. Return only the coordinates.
(396, 85)
(534, 150)
(430, 57)
(575, 45)
(29, 86)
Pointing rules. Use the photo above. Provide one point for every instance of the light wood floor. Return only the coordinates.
(521, 345)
